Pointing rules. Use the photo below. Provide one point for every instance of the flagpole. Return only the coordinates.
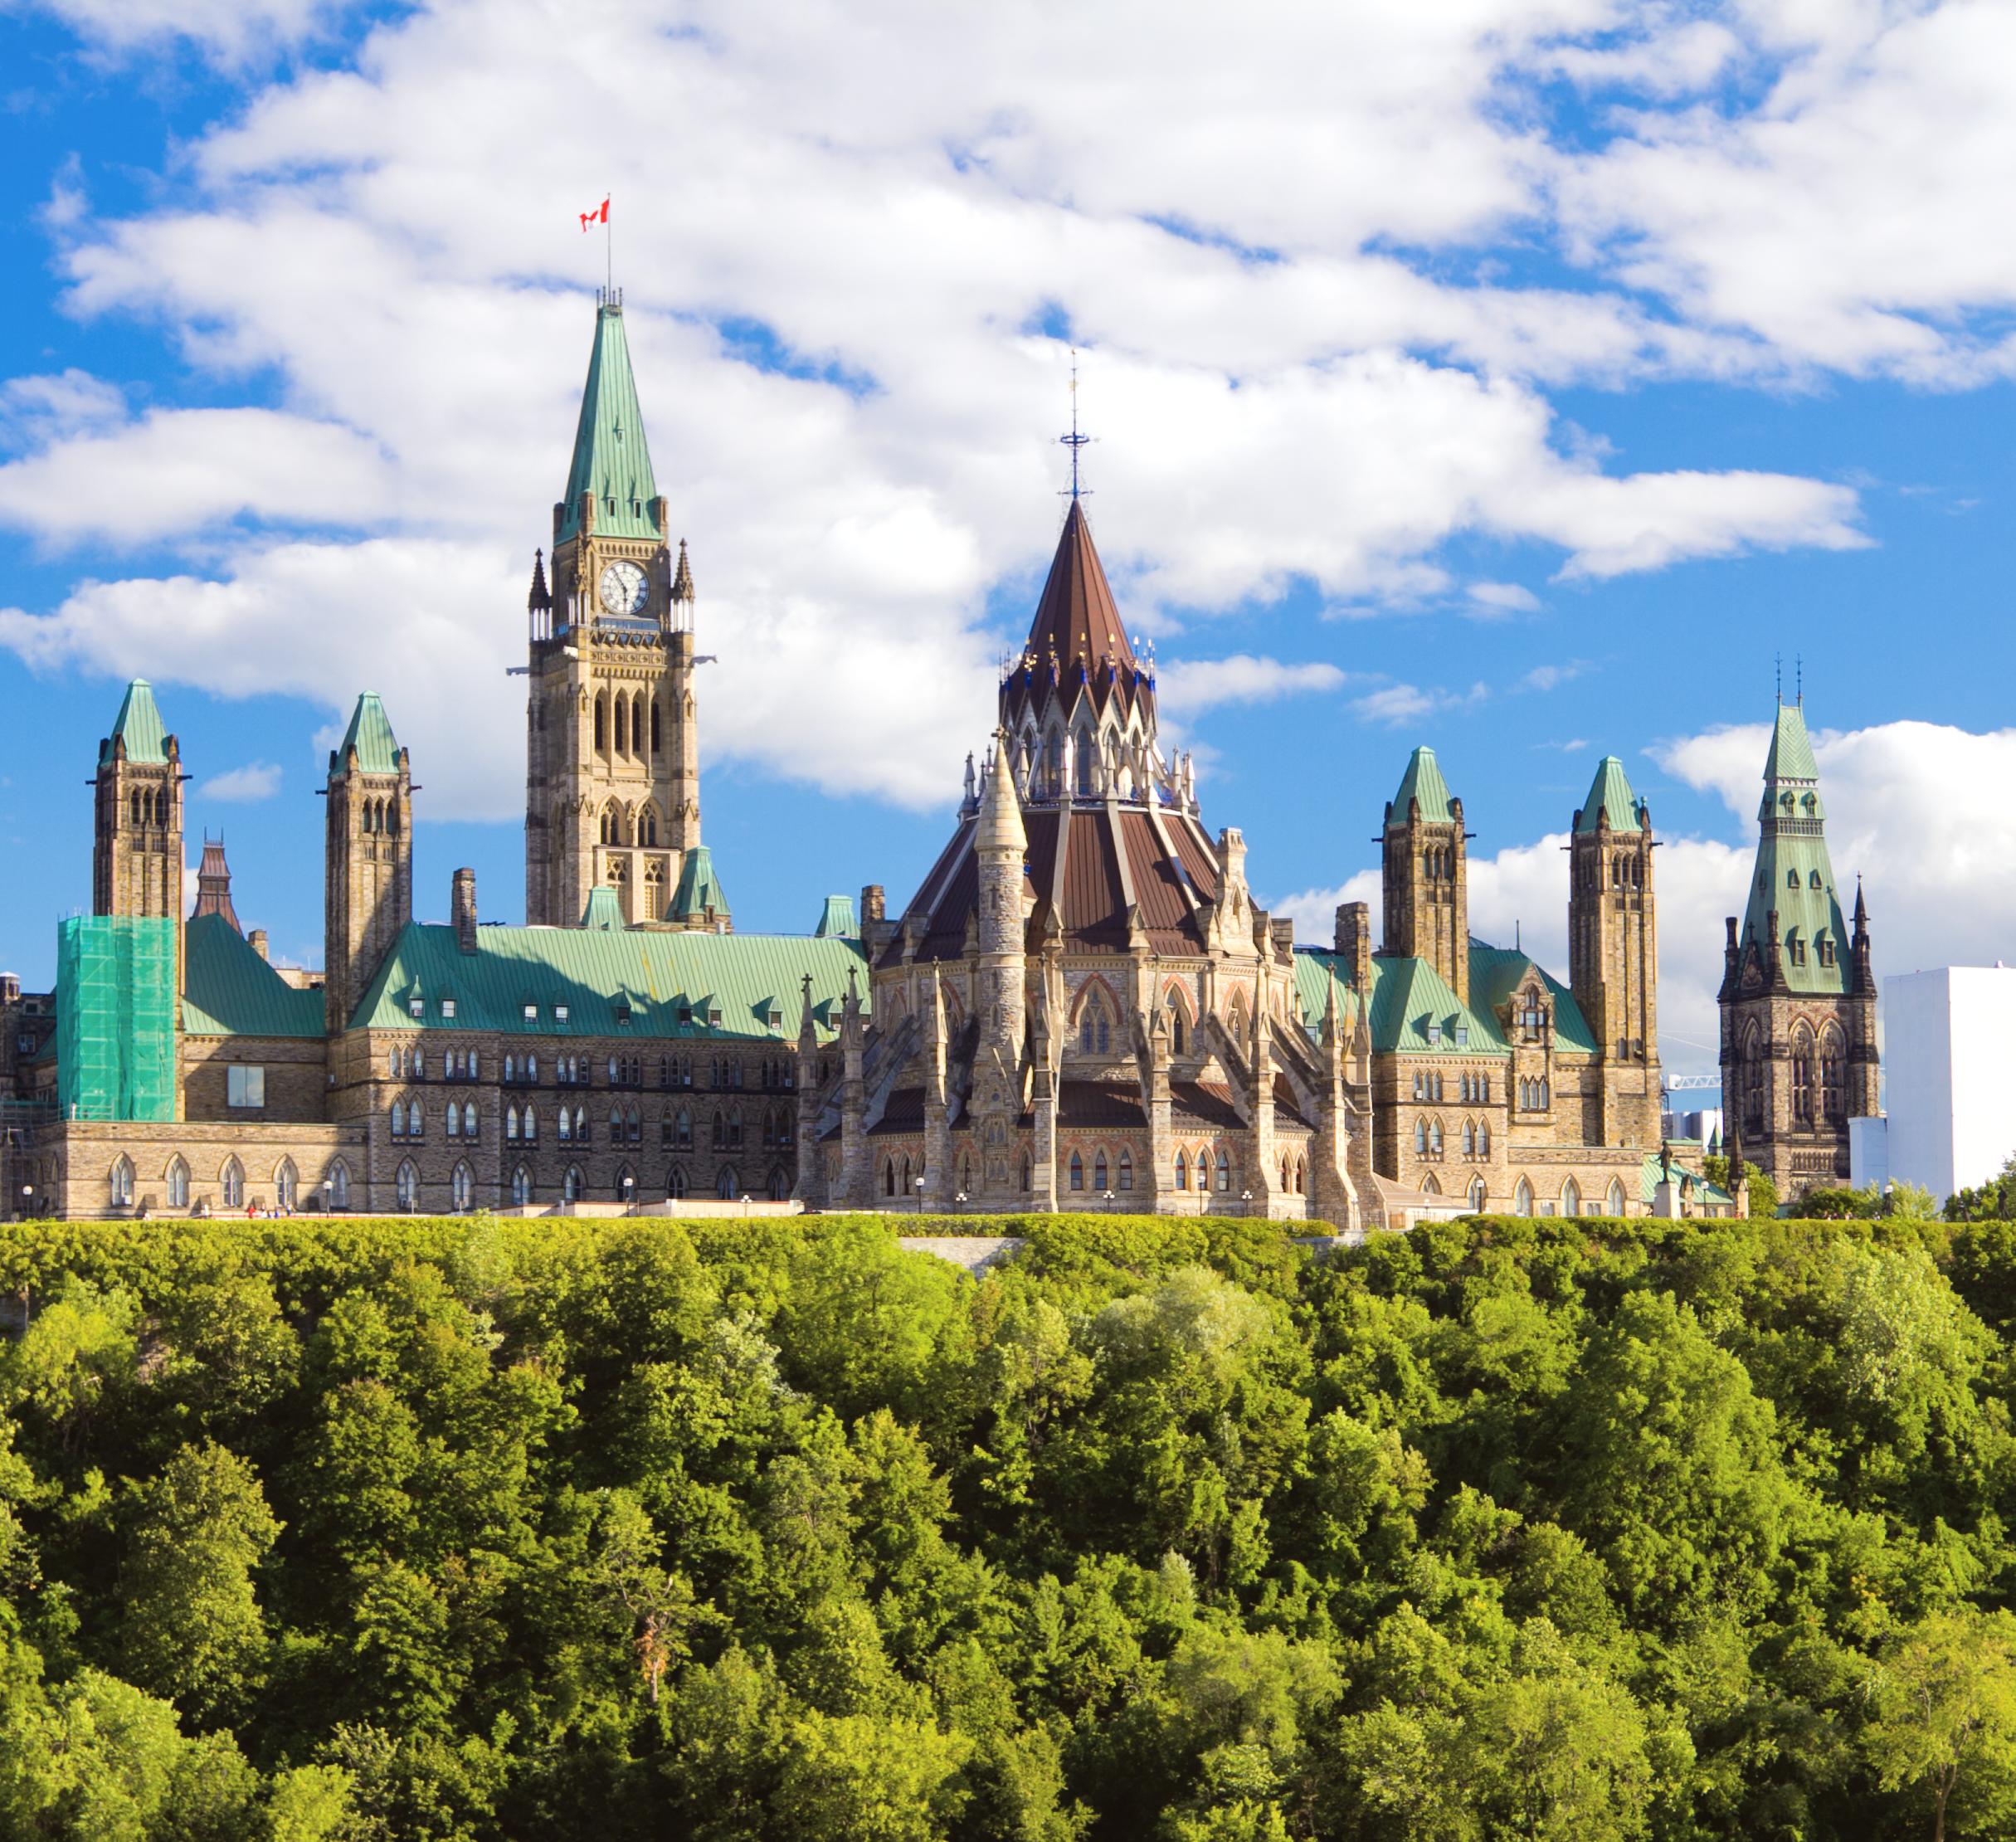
(609, 244)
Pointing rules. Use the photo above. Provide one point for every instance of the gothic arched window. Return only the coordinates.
(177, 1184)
(1613, 1199)
(406, 1186)
(1802, 1077)
(1125, 1174)
(461, 1187)
(1098, 1169)
(1182, 1172)
(336, 1185)
(233, 1184)
(521, 1186)
(1224, 1171)
(1476, 1194)
(1420, 1139)
(1572, 1197)
(122, 1183)
(286, 1183)
(1831, 1058)
(1523, 1198)
(727, 1187)
(676, 1182)
(1077, 1171)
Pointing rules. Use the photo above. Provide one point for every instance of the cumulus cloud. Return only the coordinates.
(1185, 687)
(867, 239)
(257, 780)
(227, 31)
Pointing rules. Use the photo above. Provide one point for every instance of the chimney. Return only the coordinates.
(256, 940)
(10, 988)
(1281, 927)
(462, 908)
(1354, 943)
(871, 902)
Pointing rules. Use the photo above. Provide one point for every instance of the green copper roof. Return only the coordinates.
(1423, 781)
(1791, 756)
(1793, 873)
(1409, 997)
(229, 991)
(1609, 797)
(604, 910)
(672, 984)
(699, 889)
(371, 734)
(139, 725)
(838, 919)
(610, 459)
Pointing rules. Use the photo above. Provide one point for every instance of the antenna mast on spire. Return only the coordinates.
(1074, 440)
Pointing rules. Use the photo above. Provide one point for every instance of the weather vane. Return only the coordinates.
(1074, 440)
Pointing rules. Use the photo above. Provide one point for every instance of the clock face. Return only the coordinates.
(624, 589)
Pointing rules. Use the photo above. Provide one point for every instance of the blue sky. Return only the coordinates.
(1522, 379)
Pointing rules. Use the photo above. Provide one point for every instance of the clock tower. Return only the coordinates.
(612, 785)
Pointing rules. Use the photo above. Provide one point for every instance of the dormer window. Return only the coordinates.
(560, 1013)
(1791, 879)
(448, 1010)
(532, 1013)
(622, 1016)
(1462, 1035)
(1434, 1036)
(417, 1007)
(1813, 880)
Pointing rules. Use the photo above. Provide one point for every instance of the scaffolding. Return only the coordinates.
(115, 1018)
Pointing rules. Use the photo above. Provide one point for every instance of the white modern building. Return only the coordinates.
(1950, 1119)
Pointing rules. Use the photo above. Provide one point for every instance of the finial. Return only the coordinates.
(1798, 678)
(1778, 670)
(1074, 440)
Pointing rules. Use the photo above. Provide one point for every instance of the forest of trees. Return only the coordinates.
(1163, 1529)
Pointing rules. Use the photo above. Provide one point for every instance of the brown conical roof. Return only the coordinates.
(213, 884)
(1076, 621)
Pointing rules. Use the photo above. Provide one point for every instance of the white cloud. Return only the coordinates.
(257, 780)
(229, 30)
(1188, 686)
(895, 196)
(1502, 597)
(1547, 678)
(34, 410)
(176, 472)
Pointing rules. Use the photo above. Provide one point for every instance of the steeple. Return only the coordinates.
(539, 600)
(371, 735)
(611, 464)
(1793, 878)
(213, 885)
(1424, 874)
(138, 727)
(1422, 781)
(682, 579)
(1611, 801)
(1001, 828)
(368, 886)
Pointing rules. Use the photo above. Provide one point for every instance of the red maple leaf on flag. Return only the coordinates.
(600, 215)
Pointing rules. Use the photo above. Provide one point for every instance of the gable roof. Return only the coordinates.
(671, 983)
(611, 461)
(139, 725)
(228, 989)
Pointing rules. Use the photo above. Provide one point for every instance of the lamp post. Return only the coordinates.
(919, 1182)
(27, 1200)
(1107, 1199)
(959, 1202)
(1245, 1196)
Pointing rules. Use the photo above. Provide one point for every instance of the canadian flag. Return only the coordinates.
(600, 215)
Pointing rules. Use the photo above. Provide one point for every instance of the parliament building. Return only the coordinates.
(1083, 1005)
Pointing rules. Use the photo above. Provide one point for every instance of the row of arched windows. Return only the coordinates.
(621, 723)
(1535, 1095)
(379, 816)
(149, 806)
(1818, 1071)
(619, 826)
(176, 1179)
(1475, 1138)
(1117, 1175)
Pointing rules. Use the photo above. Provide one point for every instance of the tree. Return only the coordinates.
(868, 1779)
(193, 1629)
(1943, 1718)
(1994, 1200)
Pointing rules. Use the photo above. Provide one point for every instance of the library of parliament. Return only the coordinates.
(1083, 1006)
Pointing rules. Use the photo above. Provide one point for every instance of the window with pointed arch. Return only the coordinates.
(675, 1182)
(1099, 1170)
(406, 1186)
(454, 1120)
(1831, 1060)
(573, 1188)
(580, 1125)
(461, 1187)
(1077, 1169)
(233, 1184)
(1613, 1201)
(1123, 1173)
(521, 1188)
(1434, 1139)
(286, 1184)
(727, 1187)
(1523, 1198)
(1572, 1197)
(510, 1125)
(888, 1177)
(1095, 1027)
(1483, 1139)
(119, 1186)
(336, 1185)
(1469, 1138)
(1431, 1184)
(1476, 1194)
(177, 1184)
(1420, 1139)
(1224, 1171)
(780, 1186)
(1802, 1077)
(1753, 1080)
(1302, 1176)
(1182, 1171)
(1174, 1005)
(1028, 1174)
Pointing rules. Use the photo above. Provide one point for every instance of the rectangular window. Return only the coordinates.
(559, 1013)
(532, 1013)
(448, 1010)
(245, 1086)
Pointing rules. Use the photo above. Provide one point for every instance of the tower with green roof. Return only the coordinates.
(367, 891)
(1612, 951)
(136, 854)
(612, 783)
(1423, 875)
(1799, 1047)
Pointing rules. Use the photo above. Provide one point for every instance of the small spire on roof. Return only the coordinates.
(682, 577)
(539, 600)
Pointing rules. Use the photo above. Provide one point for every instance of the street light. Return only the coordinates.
(919, 1182)
(27, 1194)
(1246, 1197)
(1108, 1199)
(959, 1201)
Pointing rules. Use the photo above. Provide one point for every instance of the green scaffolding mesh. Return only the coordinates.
(115, 1018)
